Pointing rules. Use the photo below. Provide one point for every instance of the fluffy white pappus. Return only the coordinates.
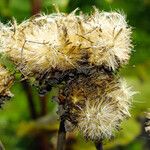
(110, 39)
(98, 120)
(61, 41)
(5, 36)
(66, 41)
(102, 117)
(45, 42)
(123, 97)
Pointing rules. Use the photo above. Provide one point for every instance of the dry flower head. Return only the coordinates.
(96, 105)
(60, 41)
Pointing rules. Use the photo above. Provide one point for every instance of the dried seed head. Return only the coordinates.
(43, 43)
(147, 128)
(64, 42)
(96, 105)
(6, 81)
(110, 38)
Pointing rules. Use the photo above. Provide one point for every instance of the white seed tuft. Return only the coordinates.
(110, 39)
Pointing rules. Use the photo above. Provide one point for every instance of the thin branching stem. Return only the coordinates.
(61, 141)
(99, 145)
(30, 99)
(36, 6)
(1, 146)
(43, 102)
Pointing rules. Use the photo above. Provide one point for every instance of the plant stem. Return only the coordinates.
(36, 6)
(42, 142)
(61, 141)
(43, 102)
(43, 137)
(1, 146)
(28, 91)
(99, 145)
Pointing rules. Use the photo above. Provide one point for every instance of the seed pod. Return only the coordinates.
(6, 81)
(96, 105)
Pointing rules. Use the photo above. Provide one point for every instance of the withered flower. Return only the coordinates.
(84, 51)
(110, 39)
(96, 105)
(57, 43)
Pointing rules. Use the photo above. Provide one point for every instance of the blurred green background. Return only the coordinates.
(29, 122)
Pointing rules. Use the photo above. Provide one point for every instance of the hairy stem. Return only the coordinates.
(61, 141)
(99, 145)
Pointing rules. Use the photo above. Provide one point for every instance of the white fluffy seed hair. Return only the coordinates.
(61, 41)
(101, 118)
(110, 39)
(4, 37)
(45, 42)
(100, 103)
(147, 128)
(6, 81)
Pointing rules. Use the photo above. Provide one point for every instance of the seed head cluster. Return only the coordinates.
(60, 42)
(82, 52)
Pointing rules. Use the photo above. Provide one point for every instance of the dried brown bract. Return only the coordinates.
(6, 81)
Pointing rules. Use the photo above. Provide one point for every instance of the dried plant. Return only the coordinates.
(109, 36)
(84, 52)
(96, 105)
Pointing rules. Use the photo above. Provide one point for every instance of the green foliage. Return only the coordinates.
(4, 60)
(130, 130)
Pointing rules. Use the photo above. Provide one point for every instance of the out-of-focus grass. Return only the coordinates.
(15, 112)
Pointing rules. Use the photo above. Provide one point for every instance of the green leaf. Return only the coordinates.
(130, 130)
